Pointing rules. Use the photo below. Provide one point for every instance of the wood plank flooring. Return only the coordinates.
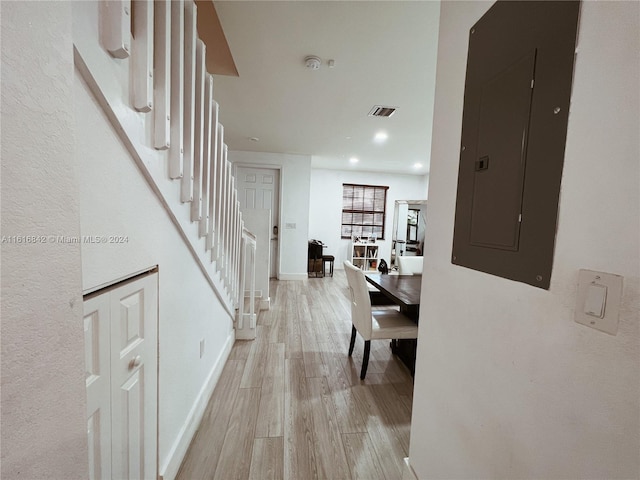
(290, 404)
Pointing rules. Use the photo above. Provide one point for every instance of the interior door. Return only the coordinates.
(134, 378)
(260, 188)
(121, 339)
(98, 383)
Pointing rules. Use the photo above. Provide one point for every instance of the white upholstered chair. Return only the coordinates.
(410, 265)
(373, 324)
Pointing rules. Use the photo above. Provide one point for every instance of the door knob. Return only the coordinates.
(135, 362)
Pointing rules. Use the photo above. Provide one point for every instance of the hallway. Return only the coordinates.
(290, 404)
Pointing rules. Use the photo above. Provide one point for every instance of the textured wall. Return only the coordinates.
(507, 384)
(116, 200)
(43, 391)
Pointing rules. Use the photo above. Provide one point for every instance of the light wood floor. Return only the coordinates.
(290, 404)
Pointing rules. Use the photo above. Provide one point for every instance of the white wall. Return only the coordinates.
(66, 173)
(43, 384)
(507, 384)
(294, 206)
(325, 210)
(115, 199)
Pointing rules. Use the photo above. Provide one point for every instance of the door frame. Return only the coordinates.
(268, 166)
(108, 287)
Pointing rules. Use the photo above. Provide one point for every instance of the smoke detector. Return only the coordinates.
(312, 62)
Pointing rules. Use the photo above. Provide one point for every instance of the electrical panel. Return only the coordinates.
(514, 126)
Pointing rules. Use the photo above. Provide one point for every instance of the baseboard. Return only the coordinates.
(293, 276)
(265, 303)
(246, 334)
(407, 471)
(179, 449)
(248, 330)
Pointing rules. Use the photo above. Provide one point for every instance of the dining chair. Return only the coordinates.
(373, 324)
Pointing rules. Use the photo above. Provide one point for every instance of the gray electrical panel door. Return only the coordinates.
(505, 102)
(516, 104)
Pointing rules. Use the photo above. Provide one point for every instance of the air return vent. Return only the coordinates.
(380, 111)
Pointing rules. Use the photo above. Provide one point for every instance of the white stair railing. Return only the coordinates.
(153, 85)
(246, 317)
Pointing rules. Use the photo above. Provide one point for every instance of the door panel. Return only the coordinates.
(133, 410)
(97, 462)
(502, 141)
(98, 384)
(250, 198)
(131, 322)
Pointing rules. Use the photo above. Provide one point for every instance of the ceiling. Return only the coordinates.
(384, 53)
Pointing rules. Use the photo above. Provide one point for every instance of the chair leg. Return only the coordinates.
(353, 339)
(365, 359)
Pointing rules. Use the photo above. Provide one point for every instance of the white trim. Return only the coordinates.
(265, 303)
(407, 472)
(118, 280)
(248, 332)
(179, 448)
(293, 276)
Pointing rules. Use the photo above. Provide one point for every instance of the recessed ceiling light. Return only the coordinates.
(381, 137)
(417, 165)
(353, 160)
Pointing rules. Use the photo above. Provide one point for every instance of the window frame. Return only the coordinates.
(363, 211)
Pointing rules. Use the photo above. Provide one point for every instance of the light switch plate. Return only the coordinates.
(598, 300)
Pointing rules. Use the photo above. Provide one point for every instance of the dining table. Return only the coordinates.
(403, 290)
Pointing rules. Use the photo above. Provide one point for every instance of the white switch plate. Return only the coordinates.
(598, 300)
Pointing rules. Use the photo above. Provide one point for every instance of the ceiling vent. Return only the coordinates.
(380, 111)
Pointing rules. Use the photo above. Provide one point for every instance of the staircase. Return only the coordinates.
(146, 66)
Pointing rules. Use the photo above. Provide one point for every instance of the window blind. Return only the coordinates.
(363, 210)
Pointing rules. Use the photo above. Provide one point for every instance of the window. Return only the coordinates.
(363, 210)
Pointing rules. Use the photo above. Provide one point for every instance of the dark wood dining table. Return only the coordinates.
(404, 290)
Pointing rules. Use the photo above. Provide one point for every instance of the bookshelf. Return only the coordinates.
(364, 255)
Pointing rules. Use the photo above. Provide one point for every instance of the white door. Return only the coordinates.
(98, 380)
(134, 367)
(131, 362)
(260, 188)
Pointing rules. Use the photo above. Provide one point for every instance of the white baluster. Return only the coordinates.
(162, 74)
(142, 55)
